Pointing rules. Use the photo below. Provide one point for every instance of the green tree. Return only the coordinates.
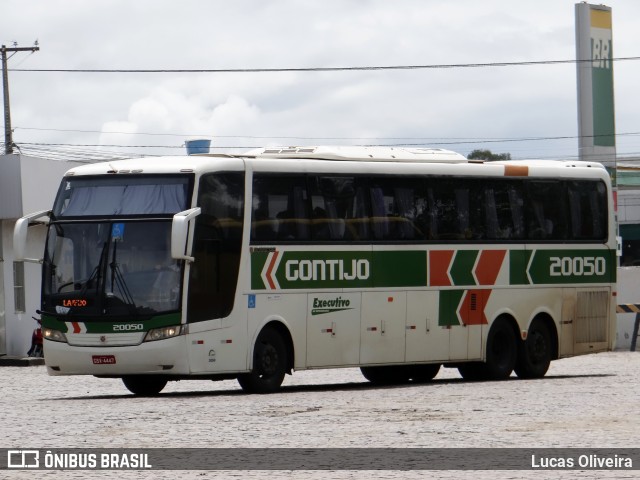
(488, 155)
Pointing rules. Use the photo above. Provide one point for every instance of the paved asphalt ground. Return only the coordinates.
(591, 401)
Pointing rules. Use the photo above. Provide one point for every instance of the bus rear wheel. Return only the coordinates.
(534, 354)
(502, 351)
(144, 385)
(269, 364)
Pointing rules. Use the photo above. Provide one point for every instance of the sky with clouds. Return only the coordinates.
(457, 108)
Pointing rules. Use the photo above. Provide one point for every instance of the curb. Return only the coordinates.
(6, 361)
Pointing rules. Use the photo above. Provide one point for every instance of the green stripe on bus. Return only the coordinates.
(556, 266)
(294, 269)
(571, 266)
(448, 307)
(346, 269)
(399, 268)
(462, 267)
(518, 261)
(258, 259)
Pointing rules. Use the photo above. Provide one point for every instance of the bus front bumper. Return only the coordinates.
(163, 356)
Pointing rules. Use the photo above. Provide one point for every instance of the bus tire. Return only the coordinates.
(472, 371)
(269, 364)
(502, 351)
(534, 354)
(144, 385)
(386, 375)
(423, 373)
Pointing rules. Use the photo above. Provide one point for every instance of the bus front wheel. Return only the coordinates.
(386, 375)
(144, 385)
(269, 364)
(423, 373)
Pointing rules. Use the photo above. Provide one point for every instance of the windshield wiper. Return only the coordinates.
(97, 272)
(117, 280)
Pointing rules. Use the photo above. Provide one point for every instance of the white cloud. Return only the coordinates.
(451, 103)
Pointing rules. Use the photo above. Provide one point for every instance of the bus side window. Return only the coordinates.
(379, 219)
(502, 202)
(332, 198)
(587, 204)
(396, 203)
(358, 219)
(515, 208)
(280, 208)
(547, 207)
(449, 204)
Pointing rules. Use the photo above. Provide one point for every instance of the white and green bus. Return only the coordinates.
(397, 261)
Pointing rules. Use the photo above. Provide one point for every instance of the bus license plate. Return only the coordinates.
(103, 359)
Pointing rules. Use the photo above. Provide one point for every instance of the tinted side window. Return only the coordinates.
(588, 210)
(449, 208)
(546, 211)
(399, 208)
(502, 212)
(344, 208)
(280, 208)
(334, 202)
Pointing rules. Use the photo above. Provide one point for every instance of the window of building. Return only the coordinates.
(18, 287)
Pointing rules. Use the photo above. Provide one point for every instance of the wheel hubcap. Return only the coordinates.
(269, 360)
(538, 347)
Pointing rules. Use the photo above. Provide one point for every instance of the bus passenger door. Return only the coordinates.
(333, 329)
(382, 328)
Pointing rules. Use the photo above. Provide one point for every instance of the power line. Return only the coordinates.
(259, 137)
(318, 69)
(85, 153)
(96, 145)
(438, 140)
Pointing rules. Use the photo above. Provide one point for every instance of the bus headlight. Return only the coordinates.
(54, 335)
(162, 333)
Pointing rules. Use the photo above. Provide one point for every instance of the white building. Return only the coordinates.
(27, 184)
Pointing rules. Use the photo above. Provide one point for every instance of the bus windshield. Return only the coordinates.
(110, 268)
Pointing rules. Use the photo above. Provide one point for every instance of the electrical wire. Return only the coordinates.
(422, 140)
(320, 69)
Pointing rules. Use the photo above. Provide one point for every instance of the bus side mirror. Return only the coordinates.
(180, 233)
(20, 233)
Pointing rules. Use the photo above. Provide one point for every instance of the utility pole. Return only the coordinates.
(8, 135)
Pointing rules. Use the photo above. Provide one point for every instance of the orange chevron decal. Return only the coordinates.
(270, 271)
(488, 267)
(472, 308)
(439, 261)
